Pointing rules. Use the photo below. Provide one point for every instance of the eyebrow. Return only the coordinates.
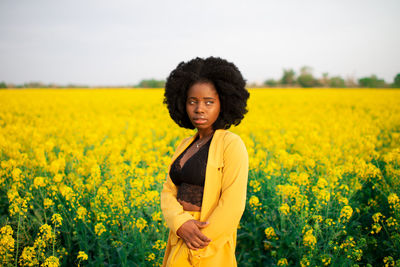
(205, 98)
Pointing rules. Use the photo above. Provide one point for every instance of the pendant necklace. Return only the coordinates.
(200, 143)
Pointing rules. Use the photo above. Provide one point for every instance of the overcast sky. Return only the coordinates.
(121, 42)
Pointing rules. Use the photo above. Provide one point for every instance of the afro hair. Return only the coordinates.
(225, 77)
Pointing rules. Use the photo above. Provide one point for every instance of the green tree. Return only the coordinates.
(3, 85)
(336, 82)
(288, 77)
(396, 82)
(324, 81)
(271, 83)
(306, 79)
(372, 82)
(151, 83)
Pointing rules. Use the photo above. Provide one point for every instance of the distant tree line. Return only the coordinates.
(289, 79)
(40, 85)
(147, 83)
(306, 79)
(150, 83)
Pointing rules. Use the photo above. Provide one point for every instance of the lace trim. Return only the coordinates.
(190, 193)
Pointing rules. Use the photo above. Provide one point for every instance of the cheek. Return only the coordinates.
(217, 111)
(188, 109)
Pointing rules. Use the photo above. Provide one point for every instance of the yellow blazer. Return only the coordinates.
(224, 197)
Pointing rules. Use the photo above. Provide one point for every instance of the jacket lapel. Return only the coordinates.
(213, 179)
(183, 146)
(212, 184)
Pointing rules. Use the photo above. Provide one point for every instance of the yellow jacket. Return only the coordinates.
(224, 196)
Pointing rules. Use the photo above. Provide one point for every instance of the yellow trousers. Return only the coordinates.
(179, 255)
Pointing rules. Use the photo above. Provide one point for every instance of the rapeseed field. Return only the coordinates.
(81, 173)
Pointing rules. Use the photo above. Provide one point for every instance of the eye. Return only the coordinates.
(209, 102)
(191, 102)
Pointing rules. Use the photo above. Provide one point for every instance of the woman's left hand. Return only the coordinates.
(191, 234)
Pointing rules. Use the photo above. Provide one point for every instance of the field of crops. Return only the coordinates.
(81, 173)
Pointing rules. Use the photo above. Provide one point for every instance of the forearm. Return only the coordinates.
(226, 216)
(173, 212)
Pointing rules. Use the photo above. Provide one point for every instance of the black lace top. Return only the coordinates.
(190, 178)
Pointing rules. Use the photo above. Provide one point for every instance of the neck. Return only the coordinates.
(204, 133)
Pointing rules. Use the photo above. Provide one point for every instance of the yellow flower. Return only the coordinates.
(19, 206)
(326, 260)
(299, 179)
(67, 192)
(389, 261)
(317, 218)
(141, 224)
(16, 175)
(267, 246)
(99, 229)
(47, 203)
(81, 213)
(46, 232)
(6, 244)
(285, 209)
(255, 185)
(159, 245)
(28, 257)
(343, 200)
(151, 257)
(58, 178)
(270, 233)
(309, 239)
(377, 217)
(156, 216)
(394, 201)
(51, 262)
(56, 219)
(254, 202)
(282, 262)
(391, 222)
(376, 228)
(322, 183)
(39, 182)
(304, 261)
(82, 256)
(345, 214)
(304, 163)
(287, 191)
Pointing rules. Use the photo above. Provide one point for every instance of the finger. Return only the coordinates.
(196, 243)
(201, 224)
(190, 246)
(202, 237)
(201, 247)
(200, 242)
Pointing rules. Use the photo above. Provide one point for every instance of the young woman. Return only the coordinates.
(204, 195)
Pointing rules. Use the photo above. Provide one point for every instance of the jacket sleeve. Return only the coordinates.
(172, 210)
(225, 218)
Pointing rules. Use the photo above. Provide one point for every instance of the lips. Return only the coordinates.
(199, 120)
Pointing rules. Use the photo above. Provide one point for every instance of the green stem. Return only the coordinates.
(16, 255)
(54, 239)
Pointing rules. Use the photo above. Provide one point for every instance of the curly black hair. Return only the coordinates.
(227, 80)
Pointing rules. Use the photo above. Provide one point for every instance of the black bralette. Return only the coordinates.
(191, 177)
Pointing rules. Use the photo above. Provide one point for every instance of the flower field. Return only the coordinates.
(81, 173)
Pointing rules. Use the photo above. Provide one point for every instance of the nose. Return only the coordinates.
(199, 107)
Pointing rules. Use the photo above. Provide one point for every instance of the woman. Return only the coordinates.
(204, 195)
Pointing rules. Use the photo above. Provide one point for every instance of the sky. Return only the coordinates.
(96, 42)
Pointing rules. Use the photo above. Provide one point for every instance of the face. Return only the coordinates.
(203, 106)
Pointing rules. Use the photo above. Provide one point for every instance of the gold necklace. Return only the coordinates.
(204, 138)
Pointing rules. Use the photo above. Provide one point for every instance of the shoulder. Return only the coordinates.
(232, 141)
(184, 141)
(234, 152)
(230, 137)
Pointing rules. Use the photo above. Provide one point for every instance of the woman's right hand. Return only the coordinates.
(191, 234)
